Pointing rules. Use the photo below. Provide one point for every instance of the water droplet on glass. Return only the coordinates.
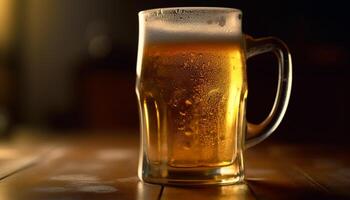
(188, 133)
(187, 145)
(182, 113)
(213, 92)
(181, 128)
(188, 102)
(222, 137)
(197, 100)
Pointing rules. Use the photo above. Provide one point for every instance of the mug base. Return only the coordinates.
(199, 176)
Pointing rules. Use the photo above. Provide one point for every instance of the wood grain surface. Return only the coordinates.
(101, 166)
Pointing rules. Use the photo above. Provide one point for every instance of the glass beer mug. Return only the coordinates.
(192, 89)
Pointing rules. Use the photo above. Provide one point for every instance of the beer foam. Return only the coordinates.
(190, 24)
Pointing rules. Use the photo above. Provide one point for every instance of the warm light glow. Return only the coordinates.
(146, 115)
(158, 129)
(140, 47)
(235, 192)
(8, 153)
(236, 84)
(5, 21)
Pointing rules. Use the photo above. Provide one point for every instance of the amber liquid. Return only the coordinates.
(191, 97)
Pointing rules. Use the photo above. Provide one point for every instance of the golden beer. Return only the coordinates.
(191, 95)
(191, 86)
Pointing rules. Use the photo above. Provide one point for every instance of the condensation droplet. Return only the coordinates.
(197, 100)
(222, 137)
(188, 133)
(182, 113)
(188, 102)
(213, 91)
(187, 145)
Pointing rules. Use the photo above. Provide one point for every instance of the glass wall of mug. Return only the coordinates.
(192, 88)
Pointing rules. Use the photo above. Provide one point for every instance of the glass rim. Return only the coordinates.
(143, 12)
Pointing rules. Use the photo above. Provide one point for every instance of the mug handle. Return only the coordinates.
(258, 132)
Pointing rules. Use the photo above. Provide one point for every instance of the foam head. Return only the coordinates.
(189, 24)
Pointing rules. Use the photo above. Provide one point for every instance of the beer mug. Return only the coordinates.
(192, 89)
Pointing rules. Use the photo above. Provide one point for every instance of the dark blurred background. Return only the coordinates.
(70, 64)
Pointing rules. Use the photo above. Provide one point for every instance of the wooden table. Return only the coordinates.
(100, 166)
